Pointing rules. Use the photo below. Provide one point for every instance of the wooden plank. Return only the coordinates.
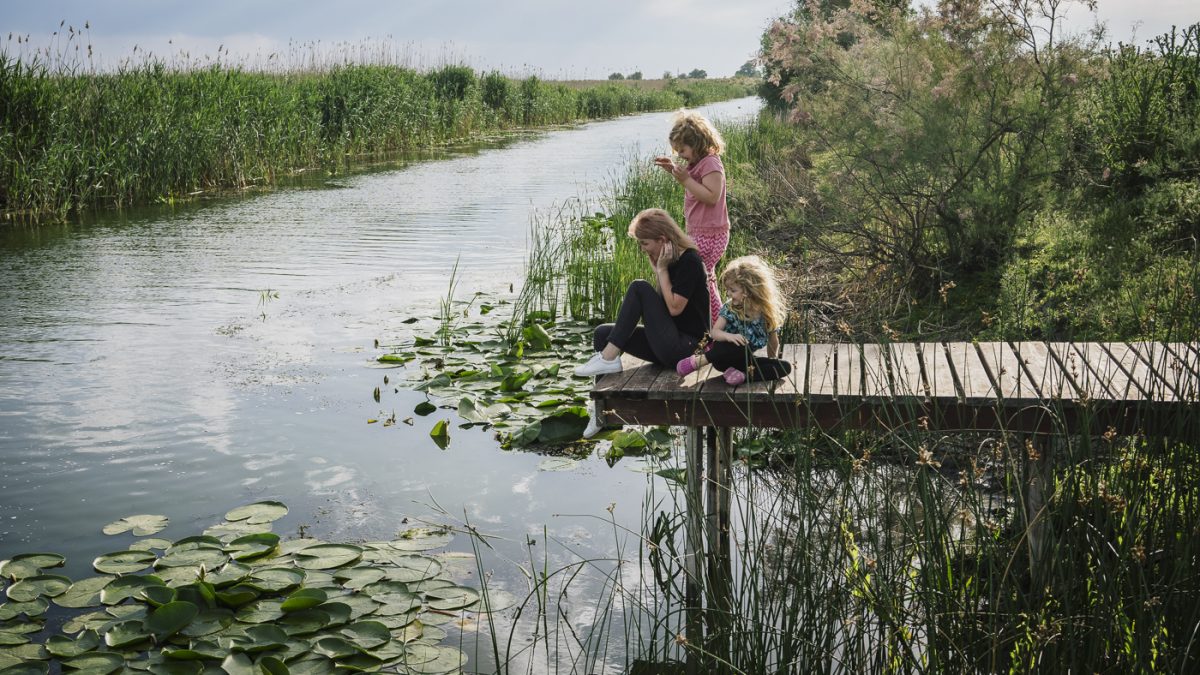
(938, 372)
(614, 381)
(1134, 368)
(848, 365)
(640, 381)
(976, 386)
(1088, 385)
(1107, 370)
(1187, 362)
(876, 369)
(821, 380)
(1004, 370)
(1044, 372)
(1164, 367)
(793, 384)
(907, 379)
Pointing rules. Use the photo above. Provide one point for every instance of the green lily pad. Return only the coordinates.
(424, 408)
(19, 569)
(456, 597)
(126, 634)
(412, 568)
(207, 622)
(422, 539)
(328, 556)
(241, 528)
(171, 618)
(238, 664)
(89, 621)
(141, 525)
(305, 598)
(440, 435)
(42, 585)
(445, 660)
(123, 588)
(157, 595)
(236, 596)
(258, 512)
(367, 634)
(96, 663)
(209, 558)
(261, 611)
(358, 577)
(8, 639)
(313, 665)
(305, 621)
(276, 579)
(273, 666)
(151, 543)
(38, 560)
(124, 562)
(27, 668)
(83, 593)
(67, 648)
(252, 546)
(35, 607)
(228, 575)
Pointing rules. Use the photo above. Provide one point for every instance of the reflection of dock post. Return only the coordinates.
(694, 550)
(708, 587)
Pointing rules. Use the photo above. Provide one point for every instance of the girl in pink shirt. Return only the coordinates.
(705, 213)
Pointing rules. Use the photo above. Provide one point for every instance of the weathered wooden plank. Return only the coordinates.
(876, 371)
(1107, 370)
(907, 379)
(614, 381)
(1005, 372)
(848, 364)
(976, 386)
(793, 384)
(822, 379)
(938, 372)
(1162, 364)
(1137, 371)
(640, 380)
(1186, 359)
(1088, 385)
(1044, 372)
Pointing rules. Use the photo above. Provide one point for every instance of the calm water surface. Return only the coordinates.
(142, 371)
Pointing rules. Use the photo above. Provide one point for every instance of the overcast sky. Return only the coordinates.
(560, 40)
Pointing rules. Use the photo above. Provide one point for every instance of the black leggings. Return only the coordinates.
(657, 340)
(726, 355)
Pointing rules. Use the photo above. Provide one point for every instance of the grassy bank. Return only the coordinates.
(149, 132)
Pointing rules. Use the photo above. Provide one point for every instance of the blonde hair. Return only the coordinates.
(655, 223)
(762, 292)
(695, 131)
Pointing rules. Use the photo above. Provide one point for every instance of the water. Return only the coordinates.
(147, 366)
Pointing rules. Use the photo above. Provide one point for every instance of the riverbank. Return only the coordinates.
(149, 133)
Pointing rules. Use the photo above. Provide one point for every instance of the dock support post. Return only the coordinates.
(694, 551)
(719, 602)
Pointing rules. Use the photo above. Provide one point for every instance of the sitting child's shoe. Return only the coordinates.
(598, 365)
(686, 365)
(734, 377)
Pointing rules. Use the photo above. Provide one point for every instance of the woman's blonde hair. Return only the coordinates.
(655, 223)
(762, 292)
(695, 131)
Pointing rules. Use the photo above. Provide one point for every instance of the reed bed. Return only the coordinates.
(74, 137)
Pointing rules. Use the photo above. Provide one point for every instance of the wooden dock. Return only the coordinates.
(1019, 386)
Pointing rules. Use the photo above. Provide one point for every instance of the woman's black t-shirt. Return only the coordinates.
(689, 280)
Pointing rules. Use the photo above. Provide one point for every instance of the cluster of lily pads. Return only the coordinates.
(518, 382)
(240, 600)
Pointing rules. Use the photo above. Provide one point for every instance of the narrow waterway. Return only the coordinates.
(185, 360)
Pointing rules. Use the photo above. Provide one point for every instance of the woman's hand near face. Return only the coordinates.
(665, 255)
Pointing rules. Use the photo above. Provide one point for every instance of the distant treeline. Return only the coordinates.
(150, 132)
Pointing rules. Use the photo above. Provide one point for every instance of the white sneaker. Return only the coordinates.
(598, 365)
(594, 427)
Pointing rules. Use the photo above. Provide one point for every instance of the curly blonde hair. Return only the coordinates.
(757, 281)
(695, 131)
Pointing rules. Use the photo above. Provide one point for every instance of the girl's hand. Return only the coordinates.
(665, 163)
(665, 254)
(739, 340)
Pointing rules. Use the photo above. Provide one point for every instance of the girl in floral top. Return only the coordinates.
(749, 321)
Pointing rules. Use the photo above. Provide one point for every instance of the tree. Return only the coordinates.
(697, 74)
(635, 75)
(616, 76)
(749, 69)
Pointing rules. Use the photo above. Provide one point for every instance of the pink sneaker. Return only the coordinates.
(734, 377)
(686, 365)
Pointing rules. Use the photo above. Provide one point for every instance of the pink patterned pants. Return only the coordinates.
(712, 247)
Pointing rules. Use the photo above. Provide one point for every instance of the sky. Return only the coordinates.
(566, 39)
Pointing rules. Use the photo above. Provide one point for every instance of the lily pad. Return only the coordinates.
(252, 546)
(157, 595)
(305, 598)
(39, 560)
(258, 512)
(358, 577)
(327, 556)
(440, 434)
(456, 597)
(422, 539)
(42, 585)
(35, 607)
(142, 525)
(210, 558)
(66, 648)
(171, 618)
(124, 562)
(207, 622)
(126, 634)
(276, 579)
(495, 600)
(413, 568)
(445, 660)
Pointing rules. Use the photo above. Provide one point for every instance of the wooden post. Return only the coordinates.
(718, 603)
(694, 551)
